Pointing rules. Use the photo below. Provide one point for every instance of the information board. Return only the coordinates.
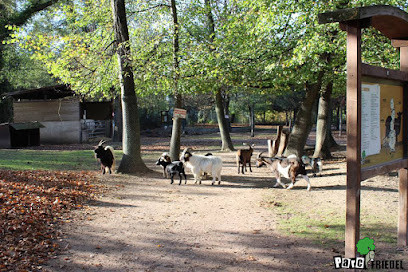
(381, 123)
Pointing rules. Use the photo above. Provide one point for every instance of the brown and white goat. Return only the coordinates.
(289, 167)
(243, 157)
(105, 156)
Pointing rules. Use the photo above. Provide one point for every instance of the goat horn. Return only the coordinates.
(259, 156)
(101, 142)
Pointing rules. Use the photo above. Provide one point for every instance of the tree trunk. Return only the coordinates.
(226, 104)
(252, 119)
(303, 121)
(176, 130)
(131, 161)
(222, 123)
(322, 147)
(118, 128)
(176, 133)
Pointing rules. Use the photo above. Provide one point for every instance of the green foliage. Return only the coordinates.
(265, 49)
(22, 71)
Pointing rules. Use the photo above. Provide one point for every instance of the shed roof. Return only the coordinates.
(391, 21)
(26, 125)
(51, 92)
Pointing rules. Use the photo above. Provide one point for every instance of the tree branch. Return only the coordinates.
(150, 8)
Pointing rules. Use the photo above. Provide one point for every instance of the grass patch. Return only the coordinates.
(316, 225)
(321, 220)
(19, 159)
(53, 160)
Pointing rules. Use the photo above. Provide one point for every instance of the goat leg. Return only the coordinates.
(172, 178)
(250, 169)
(309, 186)
(185, 177)
(179, 178)
(278, 182)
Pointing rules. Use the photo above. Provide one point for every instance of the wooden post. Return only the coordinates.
(273, 145)
(353, 139)
(403, 173)
(403, 208)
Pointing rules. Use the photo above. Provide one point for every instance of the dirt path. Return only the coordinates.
(149, 225)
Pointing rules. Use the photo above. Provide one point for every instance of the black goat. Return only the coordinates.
(171, 168)
(105, 156)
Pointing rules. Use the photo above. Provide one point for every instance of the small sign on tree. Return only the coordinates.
(179, 113)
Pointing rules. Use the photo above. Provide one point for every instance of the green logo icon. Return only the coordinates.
(366, 248)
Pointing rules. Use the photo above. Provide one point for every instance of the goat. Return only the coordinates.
(289, 167)
(171, 168)
(243, 157)
(106, 157)
(202, 164)
(315, 163)
(164, 160)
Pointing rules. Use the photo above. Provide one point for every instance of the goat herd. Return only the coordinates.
(201, 165)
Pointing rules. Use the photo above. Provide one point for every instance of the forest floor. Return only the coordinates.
(143, 223)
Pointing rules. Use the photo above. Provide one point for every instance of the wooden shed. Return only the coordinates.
(63, 114)
(13, 135)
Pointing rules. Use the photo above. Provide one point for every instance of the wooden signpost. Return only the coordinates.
(377, 137)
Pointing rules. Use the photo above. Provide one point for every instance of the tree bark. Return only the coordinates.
(222, 123)
(323, 143)
(252, 119)
(175, 141)
(131, 161)
(118, 128)
(303, 121)
(219, 103)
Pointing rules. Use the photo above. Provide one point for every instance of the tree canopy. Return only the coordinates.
(274, 50)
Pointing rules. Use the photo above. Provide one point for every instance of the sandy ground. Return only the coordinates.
(147, 224)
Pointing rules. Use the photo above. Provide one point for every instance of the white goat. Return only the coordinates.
(202, 164)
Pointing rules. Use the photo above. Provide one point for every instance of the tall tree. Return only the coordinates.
(131, 161)
(176, 130)
(219, 101)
